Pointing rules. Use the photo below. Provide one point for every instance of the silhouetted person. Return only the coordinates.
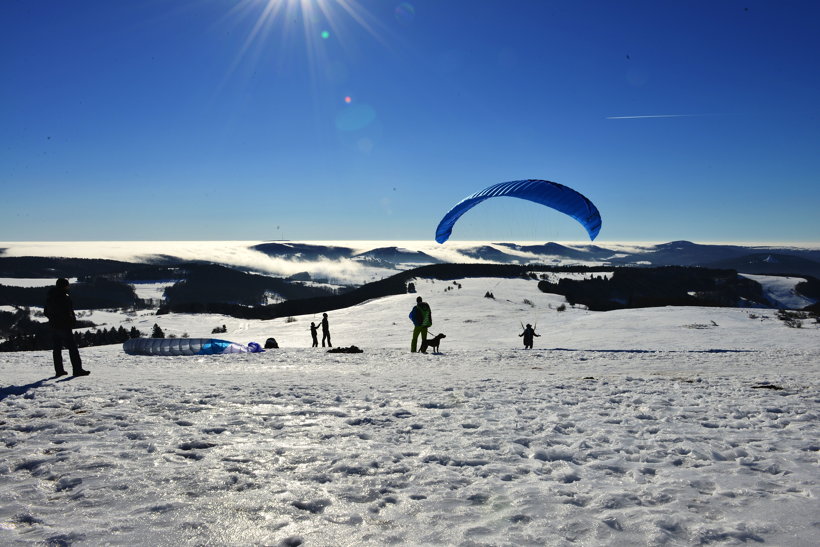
(528, 334)
(422, 317)
(325, 331)
(60, 312)
(314, 334)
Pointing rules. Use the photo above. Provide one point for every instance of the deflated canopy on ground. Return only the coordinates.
(554, 195)
(184, 346)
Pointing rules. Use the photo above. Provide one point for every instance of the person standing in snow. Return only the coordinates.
(325, 331)
(61, 318)
(314, 335)
(528, 334)
(422, 317)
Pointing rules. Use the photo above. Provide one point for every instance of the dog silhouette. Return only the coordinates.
(432, 343)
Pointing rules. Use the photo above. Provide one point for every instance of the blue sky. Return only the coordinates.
(240, 120)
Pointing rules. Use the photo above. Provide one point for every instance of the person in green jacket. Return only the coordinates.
(422, 317)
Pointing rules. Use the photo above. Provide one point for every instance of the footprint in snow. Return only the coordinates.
(67, 483)
(65, 539)
(314, 506)
(195, 445)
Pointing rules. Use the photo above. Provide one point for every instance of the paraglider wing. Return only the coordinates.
(181, 346)
(559, 197)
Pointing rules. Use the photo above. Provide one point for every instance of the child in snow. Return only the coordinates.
(528, 334)
(313, 334)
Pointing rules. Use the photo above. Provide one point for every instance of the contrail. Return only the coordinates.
(655, 116)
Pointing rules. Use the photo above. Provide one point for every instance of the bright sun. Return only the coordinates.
(319, 20)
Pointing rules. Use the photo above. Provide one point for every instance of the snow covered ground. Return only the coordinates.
(671, 426)
(152, 290)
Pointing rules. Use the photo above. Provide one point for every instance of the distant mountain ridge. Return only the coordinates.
(587, 253)
(395, 255)
(304, 251)
(753, 260)
(384, 260)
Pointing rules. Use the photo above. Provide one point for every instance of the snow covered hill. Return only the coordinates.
(670, 426)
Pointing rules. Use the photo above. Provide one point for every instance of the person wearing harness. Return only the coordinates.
(422, 317)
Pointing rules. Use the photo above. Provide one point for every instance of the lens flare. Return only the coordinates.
(325, 35)
(355, 117)
(405, 13)
(348, 100)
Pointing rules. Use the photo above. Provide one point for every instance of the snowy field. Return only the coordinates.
(665, 426)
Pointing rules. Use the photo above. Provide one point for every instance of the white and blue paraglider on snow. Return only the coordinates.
(554, 195)
(186, 346)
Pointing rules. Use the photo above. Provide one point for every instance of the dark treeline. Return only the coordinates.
(47, 267)
(204, 284)
(98, 293)
(196, 283)
(22, 333)
(666, 286)
(809, 288)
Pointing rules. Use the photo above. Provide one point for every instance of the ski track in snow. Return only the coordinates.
(636, 427)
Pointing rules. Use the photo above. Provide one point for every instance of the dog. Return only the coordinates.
(432, 343)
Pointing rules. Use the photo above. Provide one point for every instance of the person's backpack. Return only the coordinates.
(427, 319)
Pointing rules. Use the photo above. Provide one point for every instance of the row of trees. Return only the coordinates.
(650, 287)
(41, 339)
(21, 333)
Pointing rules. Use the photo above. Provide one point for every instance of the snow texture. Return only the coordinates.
(667, 426)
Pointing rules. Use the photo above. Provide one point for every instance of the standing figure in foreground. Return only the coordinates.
(528, 334)
(60, 312)
(314, 335)
(422, 317)
(325, 331)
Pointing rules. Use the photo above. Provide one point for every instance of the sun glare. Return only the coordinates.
(326, 21)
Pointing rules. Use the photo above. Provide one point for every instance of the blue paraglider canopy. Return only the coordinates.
(557, 196)
(184, 346)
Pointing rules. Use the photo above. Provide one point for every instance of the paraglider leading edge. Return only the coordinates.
(552, 194)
